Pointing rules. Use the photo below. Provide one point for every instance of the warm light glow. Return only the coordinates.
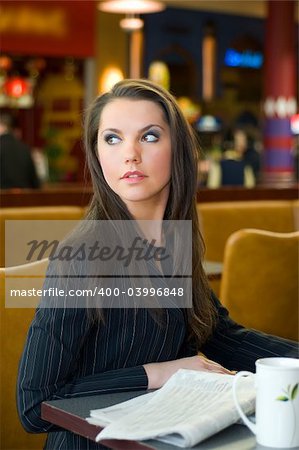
(131, 23)
(109, 78)
(131, 6)
(159, 73)
(136, 58)
(16, 87)
(5, 62)
(190, 109)
(208, 67)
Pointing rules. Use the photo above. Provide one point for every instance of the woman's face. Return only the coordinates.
(134, 150)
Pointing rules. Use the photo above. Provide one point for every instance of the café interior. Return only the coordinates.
(232, 66)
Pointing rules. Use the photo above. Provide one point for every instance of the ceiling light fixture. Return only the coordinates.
(131, 6)
(131, 23)
(132, 9)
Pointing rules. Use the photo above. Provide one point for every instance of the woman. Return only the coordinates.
(143, 162)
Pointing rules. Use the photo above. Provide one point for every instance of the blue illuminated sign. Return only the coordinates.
(247, 58)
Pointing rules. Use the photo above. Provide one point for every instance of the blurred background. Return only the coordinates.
(233, 66)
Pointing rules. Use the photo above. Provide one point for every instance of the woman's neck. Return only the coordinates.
(152, 231)
(147, 210)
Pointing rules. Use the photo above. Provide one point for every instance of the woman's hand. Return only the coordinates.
(159, 373)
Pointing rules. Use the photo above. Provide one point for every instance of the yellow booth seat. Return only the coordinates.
(15, 241)
(259, 283)
(220, 219)
(15, 323)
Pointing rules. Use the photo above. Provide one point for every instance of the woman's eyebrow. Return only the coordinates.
(114, 130)
(147, 127)
(150, 126)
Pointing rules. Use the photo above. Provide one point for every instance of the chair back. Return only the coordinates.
(15, 323)
(259, 283)
(218, 220)
(58, 220)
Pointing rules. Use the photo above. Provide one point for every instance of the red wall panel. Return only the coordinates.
(48, 27)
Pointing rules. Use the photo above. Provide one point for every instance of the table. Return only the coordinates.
(80, 195)
(71, 413)
(213, 269)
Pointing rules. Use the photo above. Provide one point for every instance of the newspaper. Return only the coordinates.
(189, 408)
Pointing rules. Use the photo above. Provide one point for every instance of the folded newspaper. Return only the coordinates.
(189, 408)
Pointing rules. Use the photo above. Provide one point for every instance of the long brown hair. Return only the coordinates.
(181, 205)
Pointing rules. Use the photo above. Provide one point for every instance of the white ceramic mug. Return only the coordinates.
(277, 402)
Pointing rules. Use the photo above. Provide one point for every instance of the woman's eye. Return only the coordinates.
(150, 137)
(111, 139)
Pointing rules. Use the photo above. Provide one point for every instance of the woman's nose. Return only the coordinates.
(133, 153)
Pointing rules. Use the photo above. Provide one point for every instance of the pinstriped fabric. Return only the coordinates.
(66, 356)
(238, 348)
(62, 360)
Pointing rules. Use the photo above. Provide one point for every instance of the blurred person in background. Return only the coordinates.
(245, 144)
(41, 164)
(17, 169)
(234, 168)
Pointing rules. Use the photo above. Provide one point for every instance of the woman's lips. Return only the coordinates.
(133, 177)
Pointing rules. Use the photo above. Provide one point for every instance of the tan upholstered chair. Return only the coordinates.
(259, 283)
(14, 327)
(15, 240)
(219, 220)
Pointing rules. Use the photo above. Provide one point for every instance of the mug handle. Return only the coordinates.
(251, 425)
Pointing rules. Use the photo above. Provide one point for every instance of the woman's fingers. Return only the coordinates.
(213, 366)
(159, 373)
